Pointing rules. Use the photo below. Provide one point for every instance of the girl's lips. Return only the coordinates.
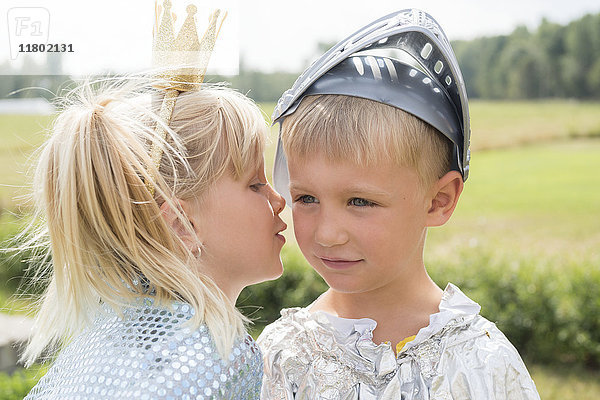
(281, 237)
(282, 228)
(339, 264)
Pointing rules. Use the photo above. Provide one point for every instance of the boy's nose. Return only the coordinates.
(329, 232)
(276, 200)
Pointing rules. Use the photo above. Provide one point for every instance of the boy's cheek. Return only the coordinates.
(299, 217)
(302, 229)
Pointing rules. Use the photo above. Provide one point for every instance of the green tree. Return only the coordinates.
(524, 70)
(551, 61)
(550, 39)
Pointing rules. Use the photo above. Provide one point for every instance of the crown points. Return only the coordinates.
(184, 57)
(191, 9)
(182, 63)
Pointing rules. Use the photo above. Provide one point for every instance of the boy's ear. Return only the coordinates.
(444, 197)
(173, 220)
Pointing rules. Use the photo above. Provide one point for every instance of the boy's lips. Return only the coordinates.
(339, 263)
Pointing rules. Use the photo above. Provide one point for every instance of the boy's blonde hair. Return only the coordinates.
(352, 128)
(101, 226)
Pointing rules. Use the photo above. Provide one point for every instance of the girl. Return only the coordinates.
(149, 257)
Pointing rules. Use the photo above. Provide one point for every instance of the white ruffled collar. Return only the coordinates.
(357, 334)
(454, 303)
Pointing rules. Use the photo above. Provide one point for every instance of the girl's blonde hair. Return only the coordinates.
(367, 132)
(101, 226)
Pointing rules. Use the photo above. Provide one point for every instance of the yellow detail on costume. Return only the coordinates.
(403, 342)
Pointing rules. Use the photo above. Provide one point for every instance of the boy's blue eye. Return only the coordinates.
(358, 202)
(306, 199)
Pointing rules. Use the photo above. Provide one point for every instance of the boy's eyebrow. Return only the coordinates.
(366, 190)
(297, 188)
(350, 190)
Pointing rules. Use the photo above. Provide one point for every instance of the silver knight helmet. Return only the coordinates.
(404, 60)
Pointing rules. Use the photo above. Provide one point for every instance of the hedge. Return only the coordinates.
(547, 308)
(15, 386)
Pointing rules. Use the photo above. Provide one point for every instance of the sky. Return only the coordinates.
(266, 35)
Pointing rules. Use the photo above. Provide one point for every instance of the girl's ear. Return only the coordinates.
(445, 194)
(173, 219)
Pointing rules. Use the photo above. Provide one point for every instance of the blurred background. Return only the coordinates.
(524, 241)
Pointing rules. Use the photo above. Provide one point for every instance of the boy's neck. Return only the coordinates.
(400, 308)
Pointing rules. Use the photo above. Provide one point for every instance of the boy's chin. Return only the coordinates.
(344, 284)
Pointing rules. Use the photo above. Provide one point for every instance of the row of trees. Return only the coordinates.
(27, 83)
(552, 61)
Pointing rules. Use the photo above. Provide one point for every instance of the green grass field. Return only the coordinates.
(560, 383)
(534, 191)
(506, 124)
(543, 200)
(21, 135)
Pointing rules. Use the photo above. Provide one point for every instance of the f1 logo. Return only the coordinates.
(27, 25)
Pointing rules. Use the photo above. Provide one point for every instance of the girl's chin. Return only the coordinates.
(272, 273)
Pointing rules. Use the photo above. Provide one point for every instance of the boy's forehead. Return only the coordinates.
(319, 169)
(333, 160)
(320, 160)
(337, 162)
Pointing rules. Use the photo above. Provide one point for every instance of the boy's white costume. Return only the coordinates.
(459, 355)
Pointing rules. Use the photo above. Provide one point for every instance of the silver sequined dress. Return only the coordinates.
(459, 355)
(151, 354)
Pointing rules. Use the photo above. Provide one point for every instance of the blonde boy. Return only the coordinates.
(375, 151)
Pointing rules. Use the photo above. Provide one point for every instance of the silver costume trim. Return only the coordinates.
(151, 353)
(459, 355)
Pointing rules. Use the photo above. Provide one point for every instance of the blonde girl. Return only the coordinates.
(149, 257)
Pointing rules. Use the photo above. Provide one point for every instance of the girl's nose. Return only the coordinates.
(276, 200)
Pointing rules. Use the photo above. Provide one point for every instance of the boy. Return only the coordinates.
(377, 152)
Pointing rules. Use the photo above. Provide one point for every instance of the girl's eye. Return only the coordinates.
(257, 186)
(358, 202)
(306, 199)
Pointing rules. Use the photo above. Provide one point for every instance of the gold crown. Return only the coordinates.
(182, 62)
(183, 59)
